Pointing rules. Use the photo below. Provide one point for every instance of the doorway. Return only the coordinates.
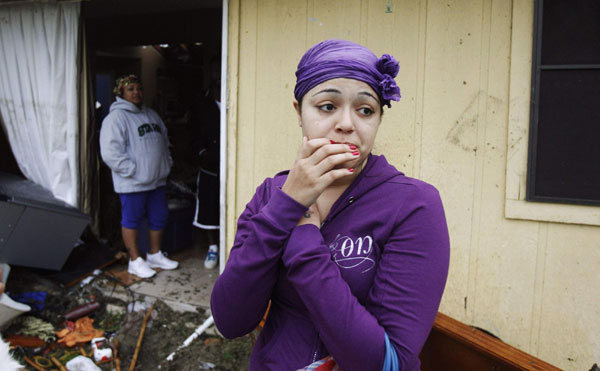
(175, 48)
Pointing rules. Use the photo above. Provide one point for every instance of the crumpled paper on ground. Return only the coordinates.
(82, 331)
(81, 363)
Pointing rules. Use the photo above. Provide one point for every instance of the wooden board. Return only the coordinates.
(452, 345)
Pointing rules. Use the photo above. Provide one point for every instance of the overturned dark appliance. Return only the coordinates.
(36, 229)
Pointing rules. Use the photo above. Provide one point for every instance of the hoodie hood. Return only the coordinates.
(377, 171)
(122, 104)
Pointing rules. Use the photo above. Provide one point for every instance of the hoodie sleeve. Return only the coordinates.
(403, 300)
(113, 147)
(254, 261)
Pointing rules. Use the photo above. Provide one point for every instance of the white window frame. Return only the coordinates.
(516, 206)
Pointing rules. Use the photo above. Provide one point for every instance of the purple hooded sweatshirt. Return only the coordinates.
(378, 263)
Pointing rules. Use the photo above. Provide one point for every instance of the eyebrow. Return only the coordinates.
(331, 90)
(327, 91)
(369, 95)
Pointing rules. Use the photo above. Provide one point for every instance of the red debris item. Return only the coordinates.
(102, 351)
(25, 341)
(84, 332)
(82, 310)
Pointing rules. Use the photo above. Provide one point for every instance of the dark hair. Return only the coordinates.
(123, 81)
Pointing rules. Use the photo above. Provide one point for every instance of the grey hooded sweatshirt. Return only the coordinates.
(134, 144)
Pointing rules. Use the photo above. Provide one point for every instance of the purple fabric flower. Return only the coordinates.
(388, 65)
(333, 59)
(389, 89)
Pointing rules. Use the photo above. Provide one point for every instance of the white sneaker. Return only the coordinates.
(140, 268)
(158, 260)
(212, 257)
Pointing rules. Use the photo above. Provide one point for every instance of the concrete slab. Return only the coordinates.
(190, 284)
(184, 289)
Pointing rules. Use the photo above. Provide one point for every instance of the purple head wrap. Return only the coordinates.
(332, 59)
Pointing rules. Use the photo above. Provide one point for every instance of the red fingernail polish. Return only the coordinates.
(352, 146)
(332, 142)
(351, 170)
(355, 153)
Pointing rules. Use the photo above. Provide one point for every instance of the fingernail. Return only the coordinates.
(332, 142)
(355, 153)
(352, 146)
(351, 170)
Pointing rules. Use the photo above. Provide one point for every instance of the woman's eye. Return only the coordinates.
(365, 111)
(327, 107)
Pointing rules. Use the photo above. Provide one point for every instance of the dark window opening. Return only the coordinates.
(564, 150)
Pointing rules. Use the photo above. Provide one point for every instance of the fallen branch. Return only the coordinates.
(33, 364)
(116, 350)
(139, 342)
(58, 364)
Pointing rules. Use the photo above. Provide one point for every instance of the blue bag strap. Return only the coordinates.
(390, 363)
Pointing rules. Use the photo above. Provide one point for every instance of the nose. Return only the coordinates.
(345, 123)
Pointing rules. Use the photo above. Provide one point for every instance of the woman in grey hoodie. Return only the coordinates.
(134, 144)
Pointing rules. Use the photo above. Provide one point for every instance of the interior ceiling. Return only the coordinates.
(111, 8)
(111, 23)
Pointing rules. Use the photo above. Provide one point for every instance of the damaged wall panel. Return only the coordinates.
(36, 229)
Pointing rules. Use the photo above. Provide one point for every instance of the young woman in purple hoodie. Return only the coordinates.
(351, 254)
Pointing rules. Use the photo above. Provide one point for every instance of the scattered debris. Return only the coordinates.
(82, 310)
(36, 300)
(10, 309)
(102, 352)
(206, 366)
(33, 364)
(90, 278)
(57, 363)
(140, 338)
(209, 321)
(35, 327)
(119, 316)
(115, 348)
(138, 306)
(81, 363)
(17, 340)
(82, 331)
(211, 341)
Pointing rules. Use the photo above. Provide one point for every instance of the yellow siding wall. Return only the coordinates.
(534, 284)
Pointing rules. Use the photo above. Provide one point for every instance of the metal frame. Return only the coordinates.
(223, 138)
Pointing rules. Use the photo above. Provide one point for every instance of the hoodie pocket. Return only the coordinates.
(152, 160)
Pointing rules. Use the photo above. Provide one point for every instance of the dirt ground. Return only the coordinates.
(166, 330)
